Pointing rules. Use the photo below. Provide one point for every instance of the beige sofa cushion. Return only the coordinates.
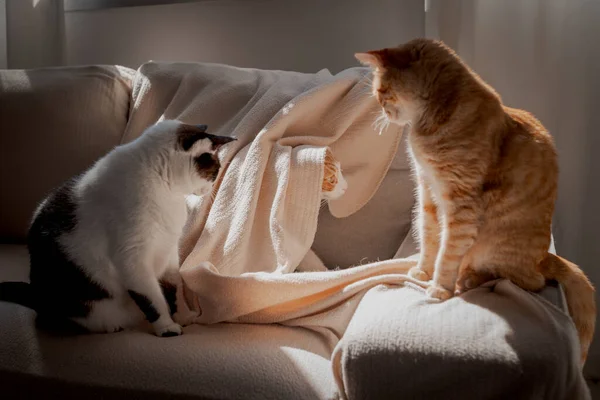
(224, 361)
(54, 123)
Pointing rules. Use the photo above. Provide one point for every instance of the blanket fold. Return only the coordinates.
(259, 297)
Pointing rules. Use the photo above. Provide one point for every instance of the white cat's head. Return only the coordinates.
(192, 160)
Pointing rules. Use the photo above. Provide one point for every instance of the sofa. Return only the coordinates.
(55, 122)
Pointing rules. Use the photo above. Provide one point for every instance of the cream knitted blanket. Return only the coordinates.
(241, 246)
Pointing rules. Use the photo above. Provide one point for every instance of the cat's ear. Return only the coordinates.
(218, 141)
(188, 135)
(374, 59)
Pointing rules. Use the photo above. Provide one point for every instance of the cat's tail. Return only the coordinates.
(22, 293)
(580, 295)
(18, 292)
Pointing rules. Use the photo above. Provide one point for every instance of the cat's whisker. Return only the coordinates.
(213, 194)
(381, 123)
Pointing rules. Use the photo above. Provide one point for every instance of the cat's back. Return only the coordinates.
(123, 200)
(55, 215)
(532, 144)
(114, 189)
(526, 121)
(521, 186)
(59, 212)
(55, 274)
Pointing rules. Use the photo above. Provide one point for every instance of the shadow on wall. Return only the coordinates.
(298, 35)
(541, 56)
(35, 33)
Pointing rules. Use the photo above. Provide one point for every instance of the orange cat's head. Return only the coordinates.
(413, 77)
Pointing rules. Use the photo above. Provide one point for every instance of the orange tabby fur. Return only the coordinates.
(330, 179)
(487, 179)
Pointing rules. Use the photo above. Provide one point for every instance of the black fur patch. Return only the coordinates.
(60, 287)
(170, 292)
(187, 135)
(17, 292)
(145, 305)
(218, 141)
(207, 166)
(169, 334)
(59, 326)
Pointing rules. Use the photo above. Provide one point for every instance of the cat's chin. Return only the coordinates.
(401, 119)
(405, 114)
(203, 191)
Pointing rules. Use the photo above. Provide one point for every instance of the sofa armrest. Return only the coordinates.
(494, 342)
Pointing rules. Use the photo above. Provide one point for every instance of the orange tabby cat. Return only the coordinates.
(487, 179)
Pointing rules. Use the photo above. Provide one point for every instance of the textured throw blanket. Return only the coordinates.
(260, 224)
(244, 248)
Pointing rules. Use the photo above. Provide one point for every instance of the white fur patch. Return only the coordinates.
(131, 209)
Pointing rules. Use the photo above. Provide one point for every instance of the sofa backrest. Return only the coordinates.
(54, 123)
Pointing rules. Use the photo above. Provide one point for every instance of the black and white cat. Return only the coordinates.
(104, 246)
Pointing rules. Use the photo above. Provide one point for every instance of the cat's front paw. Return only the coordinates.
(185, 318)
(170, 330)
(418, 273)
(438, 292)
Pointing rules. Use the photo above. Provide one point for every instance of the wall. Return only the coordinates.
(3, 58)
(542, 55)
(34, 33)
(302, 35)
